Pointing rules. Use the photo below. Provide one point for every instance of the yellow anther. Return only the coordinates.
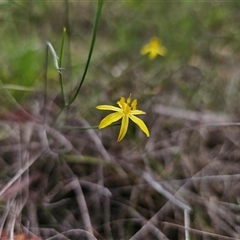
(134, 104)
(129, 99)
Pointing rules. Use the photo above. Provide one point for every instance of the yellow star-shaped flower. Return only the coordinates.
(127, 109)
(154, 48)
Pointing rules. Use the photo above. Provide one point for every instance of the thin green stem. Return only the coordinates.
(56, 118)
(85, 128)
(94, 34)
(96, 23)
(60, 66)
(45, 82)
(77, 127)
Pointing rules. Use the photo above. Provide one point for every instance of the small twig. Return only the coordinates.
(12, 228)
(186, 224)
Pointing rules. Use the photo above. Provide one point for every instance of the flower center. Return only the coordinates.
(128, 105)
(154, 44)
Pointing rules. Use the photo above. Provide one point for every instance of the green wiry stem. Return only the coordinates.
(96, 23)
(86, 128)
(94, 34)
(60, 66)
(56, 118)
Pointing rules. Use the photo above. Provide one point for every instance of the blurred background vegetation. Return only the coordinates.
(197, 82)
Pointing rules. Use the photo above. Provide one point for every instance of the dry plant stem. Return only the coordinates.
(12, 228)
(186, 223)
(26, 230)
(21, 171)
(75, 231)
(208, 178)
(17, 147)
(218, 236)
(206, 119)
(75, 185)
(8, 212)
(32, 215)
(158, 187)
(155, 185)
(101, 190)
(92, 134)
(14, 213)
(107, 218)
(21, 195)
(219, 211)
(149, 227)
(214, 210)
(146, 228)
(4, 215)
(25, 136)
(58, 137)
(180, 190)
(222, 217)
(100, 175)
(171, 198)
(82, 205)
(49, 231)
(227, 210)
(202, 117)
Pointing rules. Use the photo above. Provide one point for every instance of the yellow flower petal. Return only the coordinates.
(124, 127)
(152, 55)
(154, 48)
(162, 51)
(108, 107)
(140, 123)
(109, 119)
(137, 112)
(145, 49)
